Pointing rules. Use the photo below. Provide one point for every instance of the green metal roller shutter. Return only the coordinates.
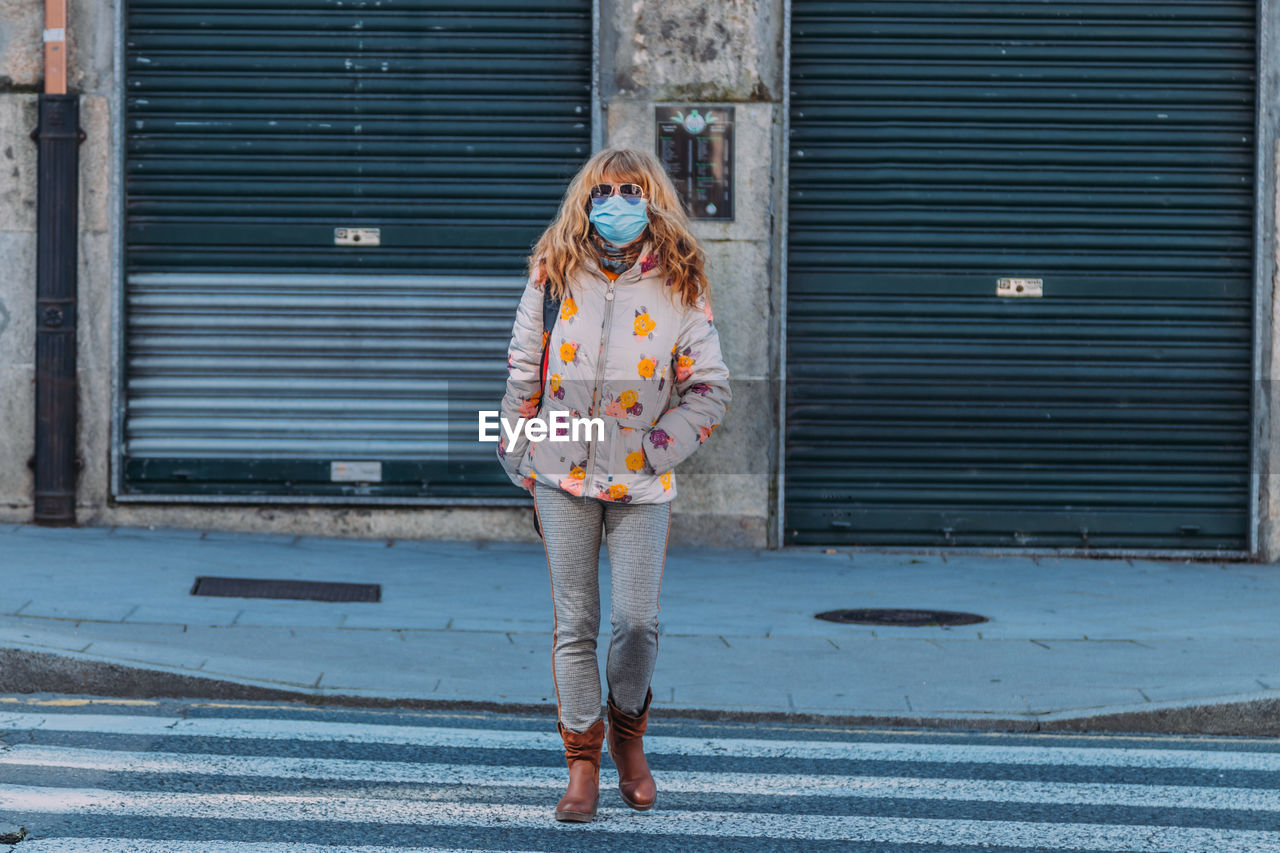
(258, 352)
(1103, 147)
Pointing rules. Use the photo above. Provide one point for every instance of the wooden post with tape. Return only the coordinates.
(55, 47)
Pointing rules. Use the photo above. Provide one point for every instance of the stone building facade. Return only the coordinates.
(725, 53)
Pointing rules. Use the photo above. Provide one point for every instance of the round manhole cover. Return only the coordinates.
(905, 618)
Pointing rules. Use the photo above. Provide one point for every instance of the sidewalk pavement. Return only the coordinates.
(1072, 643)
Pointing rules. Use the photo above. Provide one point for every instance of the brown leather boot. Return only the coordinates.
(626, 748)
(582, 753)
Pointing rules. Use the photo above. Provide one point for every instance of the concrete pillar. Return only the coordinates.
(21, 73)
(718, 53)
(90, 44)
(1266, 417)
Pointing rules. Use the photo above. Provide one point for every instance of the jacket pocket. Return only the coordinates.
(627, 460)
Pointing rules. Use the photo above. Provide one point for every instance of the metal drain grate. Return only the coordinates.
(903, 618)
(303, 590)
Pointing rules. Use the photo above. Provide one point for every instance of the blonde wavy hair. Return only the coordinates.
(566, 246)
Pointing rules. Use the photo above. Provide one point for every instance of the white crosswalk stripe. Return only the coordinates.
(688, 781)
(60, 782)
(139, 845)
(312, 730)
(288, 807)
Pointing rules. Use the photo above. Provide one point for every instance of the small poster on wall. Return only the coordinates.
(695, 145)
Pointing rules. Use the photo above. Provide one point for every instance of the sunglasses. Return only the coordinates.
(631, 192)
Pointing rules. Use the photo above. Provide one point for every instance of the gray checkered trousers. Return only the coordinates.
(636, 535)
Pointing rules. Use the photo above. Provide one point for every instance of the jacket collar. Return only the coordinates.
(633, 274)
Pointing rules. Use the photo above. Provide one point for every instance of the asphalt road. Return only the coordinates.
(181, 776)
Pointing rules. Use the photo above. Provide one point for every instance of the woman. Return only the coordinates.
(633, 344)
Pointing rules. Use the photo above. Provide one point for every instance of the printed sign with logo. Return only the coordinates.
(695, 145)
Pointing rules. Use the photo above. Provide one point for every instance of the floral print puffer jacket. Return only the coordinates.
(629, 353)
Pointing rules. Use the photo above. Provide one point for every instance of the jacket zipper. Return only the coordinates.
(595, 391)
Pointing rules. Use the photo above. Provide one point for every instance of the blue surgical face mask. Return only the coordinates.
(619, 221)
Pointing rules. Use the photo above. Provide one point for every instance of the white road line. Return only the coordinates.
(359, 810)
(312, 730)
(684, 782)
(145, 845)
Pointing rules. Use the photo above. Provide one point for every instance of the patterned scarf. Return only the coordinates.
(614, 259)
